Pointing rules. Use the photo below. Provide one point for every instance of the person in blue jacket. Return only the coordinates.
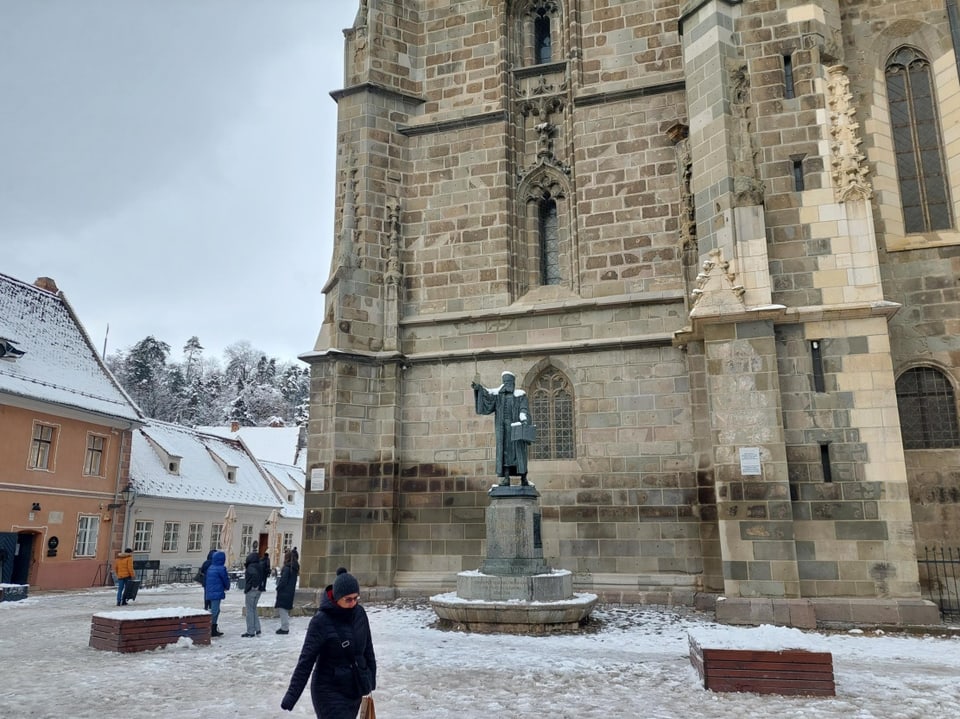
(216, 584)
(338, 637)
(203, 573)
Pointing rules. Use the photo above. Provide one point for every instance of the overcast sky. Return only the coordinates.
(170, 163)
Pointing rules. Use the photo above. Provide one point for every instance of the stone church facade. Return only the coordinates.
(716, 242)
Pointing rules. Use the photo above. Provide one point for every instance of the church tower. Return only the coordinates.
(686, 229)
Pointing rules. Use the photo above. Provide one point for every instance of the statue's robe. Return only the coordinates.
(507, 408)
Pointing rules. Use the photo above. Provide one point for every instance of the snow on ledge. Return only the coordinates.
(453, 598)
(158, 613)
(766, 637)
(478, 573)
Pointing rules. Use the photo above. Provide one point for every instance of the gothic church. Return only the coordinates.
(716, 241)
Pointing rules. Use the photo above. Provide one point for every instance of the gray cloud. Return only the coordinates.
(170, 163)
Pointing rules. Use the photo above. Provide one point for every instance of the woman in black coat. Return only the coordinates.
(286, 590)
(336, 690)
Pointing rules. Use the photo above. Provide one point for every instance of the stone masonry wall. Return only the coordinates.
(452, 124)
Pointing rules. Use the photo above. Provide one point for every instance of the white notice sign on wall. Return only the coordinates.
(750, 461)
(318, 479)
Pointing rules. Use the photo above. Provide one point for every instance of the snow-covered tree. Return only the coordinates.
(253, 389)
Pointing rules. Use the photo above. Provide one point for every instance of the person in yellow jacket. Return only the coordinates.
(123, 571)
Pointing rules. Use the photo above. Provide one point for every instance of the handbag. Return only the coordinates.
(200, 578)
(367, 708)
(359, 678)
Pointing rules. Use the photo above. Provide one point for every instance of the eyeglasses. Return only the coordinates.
(350, 598)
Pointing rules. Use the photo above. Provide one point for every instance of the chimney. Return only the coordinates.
(47, 285)
(234, 426)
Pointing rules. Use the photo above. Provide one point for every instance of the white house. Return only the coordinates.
(292, 481)
(284, 445)
(198, 491)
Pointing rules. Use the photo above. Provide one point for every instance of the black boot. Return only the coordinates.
(523, 481)
(214, 632)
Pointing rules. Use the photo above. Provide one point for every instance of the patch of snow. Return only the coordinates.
(634, 662)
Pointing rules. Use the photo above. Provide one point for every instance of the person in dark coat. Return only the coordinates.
(203, 573)
(286, 590)
(251, 592)
(264, 571)
(216, 583)
(336, 694)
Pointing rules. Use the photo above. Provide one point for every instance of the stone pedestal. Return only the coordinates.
(514, 590)
(514, 546)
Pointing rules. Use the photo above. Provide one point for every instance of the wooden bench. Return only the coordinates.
(789, 671)
(135, 632)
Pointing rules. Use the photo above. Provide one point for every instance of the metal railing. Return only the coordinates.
(939, 577)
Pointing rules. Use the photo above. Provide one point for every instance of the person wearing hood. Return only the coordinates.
(286, 590)
(203, 573)
(216, 582)
(123, 572)
(338, 650)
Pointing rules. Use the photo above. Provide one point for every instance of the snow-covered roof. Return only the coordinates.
(293, 479)
(59, 364)
(203, 463)
(273, 444)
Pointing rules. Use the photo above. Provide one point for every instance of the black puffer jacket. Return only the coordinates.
(287, 585)
(333, 689)
(251, 573)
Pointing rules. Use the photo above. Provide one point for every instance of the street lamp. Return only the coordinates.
(128, 493)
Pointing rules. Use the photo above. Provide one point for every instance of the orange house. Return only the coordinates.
(65, 433)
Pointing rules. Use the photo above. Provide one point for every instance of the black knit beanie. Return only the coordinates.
(345, 584)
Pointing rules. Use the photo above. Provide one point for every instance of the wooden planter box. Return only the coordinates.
(114, 632)
(790, 671)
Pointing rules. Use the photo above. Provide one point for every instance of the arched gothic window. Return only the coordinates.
(537, 25)
(917, 142)
(542, 44)
(928, 409)
(549, 243)
(551, 404)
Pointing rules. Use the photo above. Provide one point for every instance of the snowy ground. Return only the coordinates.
(634, 665)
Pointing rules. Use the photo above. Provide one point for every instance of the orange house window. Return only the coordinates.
(93, 462)
(41, 448)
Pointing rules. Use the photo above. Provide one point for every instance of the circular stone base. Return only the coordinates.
(550, 586)
(515, 617)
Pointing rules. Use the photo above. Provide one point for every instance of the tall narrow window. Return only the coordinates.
(816, 358)
(41, 448)
(543, 45)
(195, 537)
(549, 243)
(88, 530)
(788, 89)
(171, 536)
(142, 534)
(917, 142)
(798, 185)
(93, 461)
(825, 463)
(215, 530)
(551, 404)
(928, 409)
(246, 539)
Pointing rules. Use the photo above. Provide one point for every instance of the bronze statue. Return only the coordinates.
(512, 425)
